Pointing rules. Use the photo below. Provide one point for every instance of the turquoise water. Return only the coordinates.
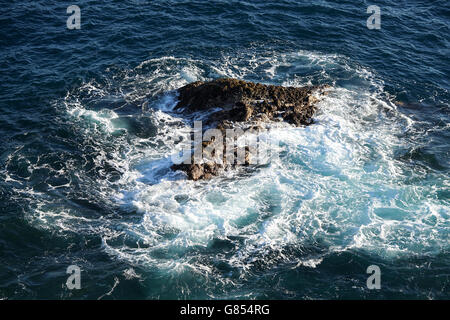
(88, 130)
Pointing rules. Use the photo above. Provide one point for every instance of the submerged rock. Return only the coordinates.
(232, 101)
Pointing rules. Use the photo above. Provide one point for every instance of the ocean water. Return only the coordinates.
(88, 129)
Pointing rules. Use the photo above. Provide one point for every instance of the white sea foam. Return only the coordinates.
(336, 186)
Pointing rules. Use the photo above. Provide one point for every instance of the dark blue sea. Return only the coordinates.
(87, 130)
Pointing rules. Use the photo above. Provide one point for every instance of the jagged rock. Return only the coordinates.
(244, 101)
(241, 101)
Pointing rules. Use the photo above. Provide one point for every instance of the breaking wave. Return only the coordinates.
(343, 183)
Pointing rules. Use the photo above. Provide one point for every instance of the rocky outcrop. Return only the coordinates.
(230, 101)
(243, 101)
